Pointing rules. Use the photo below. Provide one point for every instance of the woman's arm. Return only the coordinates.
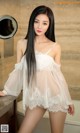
(58, 54)
(58, 60)
(19, 50)
(19, 56)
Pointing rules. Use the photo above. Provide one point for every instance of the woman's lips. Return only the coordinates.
(39, 31)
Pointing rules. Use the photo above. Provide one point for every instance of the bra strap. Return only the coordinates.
(51, 48)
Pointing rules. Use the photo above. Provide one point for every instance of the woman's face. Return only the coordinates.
(41, 24)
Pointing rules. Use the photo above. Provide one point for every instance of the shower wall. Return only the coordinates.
(67, 30)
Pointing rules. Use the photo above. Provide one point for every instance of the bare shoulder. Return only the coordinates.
(21, 44)
(57, 46)
(57, 52)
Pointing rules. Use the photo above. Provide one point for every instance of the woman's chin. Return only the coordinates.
(39, 34)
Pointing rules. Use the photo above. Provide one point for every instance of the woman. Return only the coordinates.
(38, 72)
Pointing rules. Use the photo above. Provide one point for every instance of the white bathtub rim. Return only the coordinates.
(75, 123)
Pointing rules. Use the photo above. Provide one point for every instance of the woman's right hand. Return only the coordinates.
(2, 93)
(71, 109)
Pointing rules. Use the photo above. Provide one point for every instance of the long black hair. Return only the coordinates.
(50, 34)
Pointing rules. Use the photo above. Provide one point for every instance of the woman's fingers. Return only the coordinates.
(71, 109)
(1, 93)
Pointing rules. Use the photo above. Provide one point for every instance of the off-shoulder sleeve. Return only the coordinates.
(14, 84)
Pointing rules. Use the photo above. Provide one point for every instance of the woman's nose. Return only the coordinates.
(40, 25)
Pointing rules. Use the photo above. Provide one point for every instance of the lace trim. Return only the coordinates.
(53, 104)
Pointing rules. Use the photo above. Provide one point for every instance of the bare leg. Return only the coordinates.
(57, 120)
(31, 119)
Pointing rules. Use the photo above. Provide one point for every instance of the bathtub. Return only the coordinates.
(72, 123)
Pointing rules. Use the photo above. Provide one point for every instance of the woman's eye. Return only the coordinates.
(45, 23)
(35, 21)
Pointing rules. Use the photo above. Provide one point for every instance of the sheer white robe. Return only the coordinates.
(50, 90)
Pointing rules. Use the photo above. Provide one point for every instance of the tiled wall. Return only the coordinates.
(67, 24)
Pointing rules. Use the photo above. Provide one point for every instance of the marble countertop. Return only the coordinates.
(5, 103)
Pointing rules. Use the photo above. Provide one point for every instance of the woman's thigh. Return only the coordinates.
(31, 119)
(57, 120)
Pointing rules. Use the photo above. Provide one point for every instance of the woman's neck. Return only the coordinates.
(40, 39)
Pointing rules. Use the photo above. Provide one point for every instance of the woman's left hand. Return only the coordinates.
(71, 109)
(2, 94)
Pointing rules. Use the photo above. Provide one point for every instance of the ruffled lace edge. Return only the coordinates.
(53, 104)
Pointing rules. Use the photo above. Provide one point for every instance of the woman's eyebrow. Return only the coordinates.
(38, 20)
